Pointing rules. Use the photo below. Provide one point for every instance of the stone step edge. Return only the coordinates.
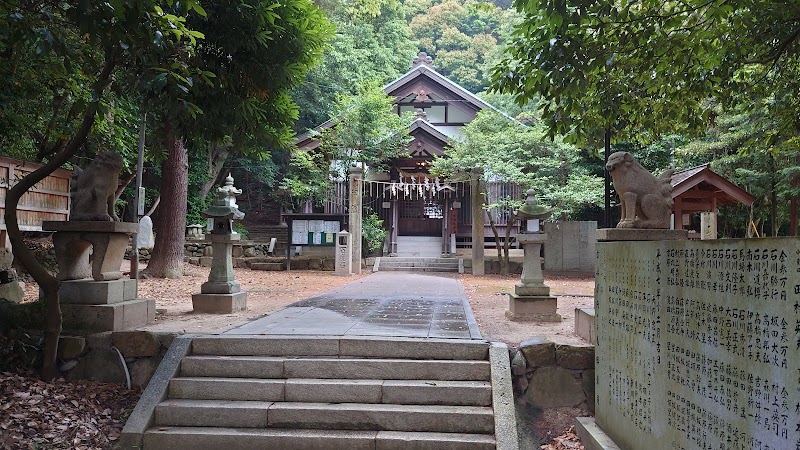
(309, 415)
(413, 392)
(349, 368)
(400, 408)
(338, 346)
(214, 436)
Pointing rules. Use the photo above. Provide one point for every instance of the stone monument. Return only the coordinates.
(646, 202)
(221, 293)
(531, 300)
(89, 248)
(697, 344)
(344, 256)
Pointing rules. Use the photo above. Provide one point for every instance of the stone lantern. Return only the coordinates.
(221, 294)
(531, 300)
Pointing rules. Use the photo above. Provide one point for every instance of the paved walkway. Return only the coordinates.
(381, 304)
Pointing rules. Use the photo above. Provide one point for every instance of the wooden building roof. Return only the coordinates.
(702, 189)
(423, 87)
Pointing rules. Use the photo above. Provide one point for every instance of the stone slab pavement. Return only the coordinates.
(401, 304)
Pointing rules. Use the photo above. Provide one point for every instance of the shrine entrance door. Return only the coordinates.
(420, 217)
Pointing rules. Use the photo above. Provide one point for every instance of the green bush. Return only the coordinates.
(372, 232)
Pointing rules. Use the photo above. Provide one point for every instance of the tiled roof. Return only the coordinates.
(683, 175)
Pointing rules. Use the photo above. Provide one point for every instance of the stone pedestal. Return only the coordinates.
(640, 234)
(221, 294)
(531, 300)
(74, 239)
(90, 306)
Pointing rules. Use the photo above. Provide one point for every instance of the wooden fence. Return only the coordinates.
(48, 200)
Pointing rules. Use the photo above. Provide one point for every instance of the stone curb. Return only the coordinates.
(142, 416)
(592, 437)
(474, 330)
(505, 418)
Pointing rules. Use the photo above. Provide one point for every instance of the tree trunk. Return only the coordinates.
(167, 258)
(507, 244)
(48, 283)
(499, 246)
(217, 155)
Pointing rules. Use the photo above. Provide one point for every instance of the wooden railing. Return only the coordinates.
(48, 200)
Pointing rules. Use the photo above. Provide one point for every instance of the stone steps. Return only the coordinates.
(419, 246)
(409, 264)
(268, 266)
(263, 234)
(331, 416)
(419, 392)
(408, 348)
(304, 392)
(208, 438)
(351, 368)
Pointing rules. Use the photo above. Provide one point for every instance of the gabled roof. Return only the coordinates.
(421, 68)
(430, 129)
(705, 179)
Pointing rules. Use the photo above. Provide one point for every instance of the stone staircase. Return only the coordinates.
(412, 264)
(419, 246)
(263, 233)
(307, 392)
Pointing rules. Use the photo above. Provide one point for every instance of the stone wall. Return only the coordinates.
(255, 256)
(93, 357)
(548, 375)
(492, 265)
(570, 246)
(697, 343)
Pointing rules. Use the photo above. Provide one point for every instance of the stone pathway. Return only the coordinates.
(381, 304)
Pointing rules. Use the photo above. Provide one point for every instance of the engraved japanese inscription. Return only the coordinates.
(699, 344)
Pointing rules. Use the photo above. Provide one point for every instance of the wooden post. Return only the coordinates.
(393, 243)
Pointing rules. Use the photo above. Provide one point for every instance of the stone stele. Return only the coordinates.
(697, 343)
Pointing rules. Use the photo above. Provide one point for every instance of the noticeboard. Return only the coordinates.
(315, 232)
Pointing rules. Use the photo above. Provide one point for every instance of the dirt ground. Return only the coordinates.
(268, 291)
(487, 296)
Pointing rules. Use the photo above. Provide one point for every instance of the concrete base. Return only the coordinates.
(641, 234)
(124, 315)
(90, 292)
(532, 308)
(592, 437)
(219, 303)
(584, 324)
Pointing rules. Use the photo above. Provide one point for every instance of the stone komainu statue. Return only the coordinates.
(92, 189)
(646, 200)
